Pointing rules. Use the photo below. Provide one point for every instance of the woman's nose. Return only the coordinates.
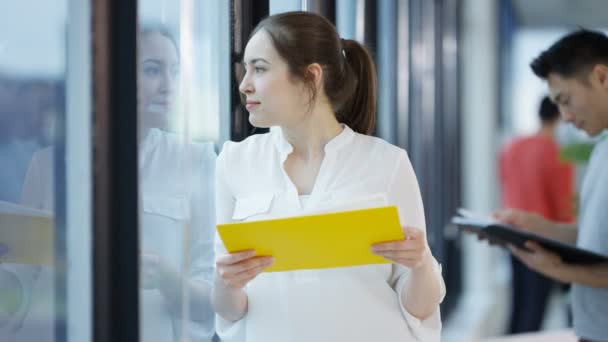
(167, 83)
(245, 87)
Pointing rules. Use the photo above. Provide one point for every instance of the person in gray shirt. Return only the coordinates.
(576, 71)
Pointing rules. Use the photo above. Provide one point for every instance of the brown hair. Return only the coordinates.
(304, 38)
(152, 28)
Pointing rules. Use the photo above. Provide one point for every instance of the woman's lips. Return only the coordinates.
(251, 104)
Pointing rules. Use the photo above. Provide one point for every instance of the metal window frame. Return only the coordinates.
(245, 15)
(434, 126)
(388, 69)
(326, 8)
(115, 161)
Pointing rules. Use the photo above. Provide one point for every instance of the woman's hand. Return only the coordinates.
(413, 251)
(152, 269)
(233, 272)
(237, 269)
(422, 291)
(11, 295)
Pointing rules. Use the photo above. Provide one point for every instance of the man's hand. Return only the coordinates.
(524, 220)
(542, 261)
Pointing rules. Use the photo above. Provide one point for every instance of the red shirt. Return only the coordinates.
(533, 178)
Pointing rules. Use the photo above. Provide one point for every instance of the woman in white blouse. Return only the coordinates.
(320, 91)
(176, 222)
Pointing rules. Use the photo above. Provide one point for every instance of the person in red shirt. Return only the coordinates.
(534, 179)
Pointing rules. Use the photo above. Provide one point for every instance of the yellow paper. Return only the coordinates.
(316, 241)
(28, 234)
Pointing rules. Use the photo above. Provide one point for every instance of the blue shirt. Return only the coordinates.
(590, 305)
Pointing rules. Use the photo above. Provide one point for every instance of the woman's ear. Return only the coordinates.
(315, 72)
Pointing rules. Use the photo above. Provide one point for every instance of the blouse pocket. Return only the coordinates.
(172, 206)
(251, 205)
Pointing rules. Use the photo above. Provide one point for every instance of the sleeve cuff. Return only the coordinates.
(197, 331)
(229, 331)
(428, 329)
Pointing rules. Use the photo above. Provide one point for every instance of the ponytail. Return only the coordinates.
(359, 107)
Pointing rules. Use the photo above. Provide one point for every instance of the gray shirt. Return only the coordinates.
(590, 305)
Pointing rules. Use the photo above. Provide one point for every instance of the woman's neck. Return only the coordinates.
(309, 137)
(143, 133)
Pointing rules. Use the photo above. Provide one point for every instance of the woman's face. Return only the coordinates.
(158, 77)
(274, 98)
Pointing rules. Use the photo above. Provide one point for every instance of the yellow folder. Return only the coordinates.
(28, 234)
(316, 241)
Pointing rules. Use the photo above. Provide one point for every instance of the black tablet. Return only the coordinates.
(503, 234)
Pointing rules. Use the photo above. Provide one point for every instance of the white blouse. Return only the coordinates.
(176, 222)
(342, 304)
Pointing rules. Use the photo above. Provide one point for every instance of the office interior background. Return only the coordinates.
(454, 86)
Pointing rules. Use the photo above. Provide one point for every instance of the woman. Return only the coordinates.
(320, 91)
(176, 182)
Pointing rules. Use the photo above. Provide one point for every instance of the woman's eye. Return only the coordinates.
(151, 71)
(259, 70)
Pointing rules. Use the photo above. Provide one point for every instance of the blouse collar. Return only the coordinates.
(335, 144)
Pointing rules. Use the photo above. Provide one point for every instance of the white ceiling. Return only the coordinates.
(562, 13)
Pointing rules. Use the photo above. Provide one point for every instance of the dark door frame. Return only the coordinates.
(245, 14)
(115, 172)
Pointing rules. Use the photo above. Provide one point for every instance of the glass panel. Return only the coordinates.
(44, 219)
(280, 6)
(183, 82)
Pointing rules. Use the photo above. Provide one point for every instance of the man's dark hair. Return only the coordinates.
(548, 111)
(572, 54)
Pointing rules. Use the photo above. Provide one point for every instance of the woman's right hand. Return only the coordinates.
(11, 294)
(237, 269)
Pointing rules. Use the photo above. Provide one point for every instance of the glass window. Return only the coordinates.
(280, 6)
(45, 182)
(183, 115)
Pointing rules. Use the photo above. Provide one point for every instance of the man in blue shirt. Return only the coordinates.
(576, 71)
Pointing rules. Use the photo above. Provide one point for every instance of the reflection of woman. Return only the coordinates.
(320, 91)
(177, 220)
(177, 192)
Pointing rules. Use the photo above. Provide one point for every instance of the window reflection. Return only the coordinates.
(177, 221)
(180, 90)
(28, 305)
(179, 119)
(32, 93)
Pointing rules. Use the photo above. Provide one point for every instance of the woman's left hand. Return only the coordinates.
(413, 251)
(153, 269)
